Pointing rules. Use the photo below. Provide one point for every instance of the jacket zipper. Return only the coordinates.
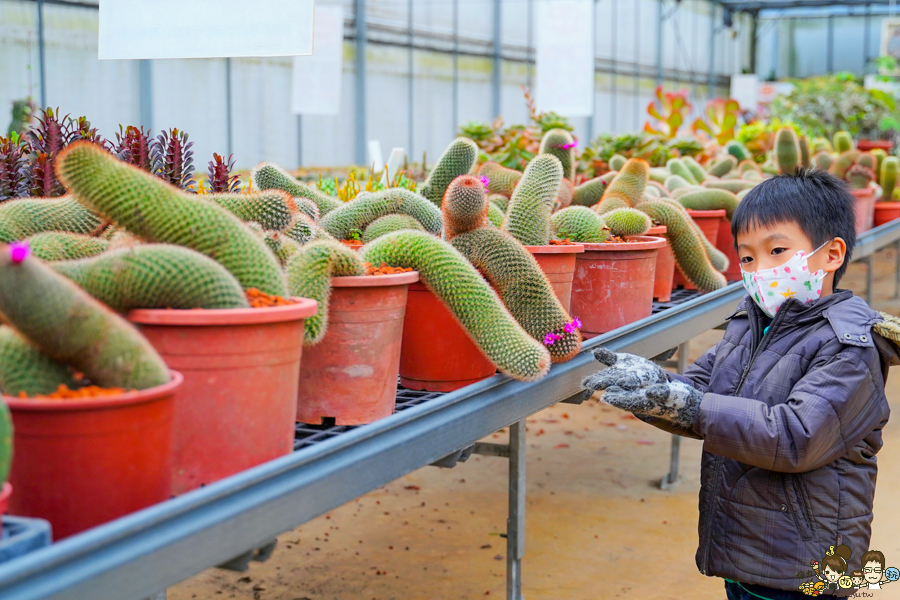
(756, 348)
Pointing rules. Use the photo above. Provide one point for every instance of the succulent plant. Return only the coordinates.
(13, 168)
(624, 222)
(458, 159)
(843, 142)
(787, 150)
(25, 370)
(805, 156)
(669, 113)
(723, 166)
(627, 188)
(58, 245)
(823, 160)
(464, 207)
(721, 119)
(389, 224)
(365, 208)
(45, 141)
(173, 158)
(274, 210)
(22, 115)
(879, 155)
(133, 146)
(590, 192)
(867, 160)
(304, 229)
(495, 215)
(738, 150)
(843, 162)
(617, 161)
(269, 176)
(221, 181)
(696, 170)
(561, 144)
(501, 180)
(500, 201)
(732, 185)
(528, 215)
(889, 168)
(711, 199)
(283, 247)
(673, 182)
(677, 167)
(579, 224)
(24, 217)
(860, 177)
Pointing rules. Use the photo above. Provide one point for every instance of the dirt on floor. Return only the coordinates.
(598, 525)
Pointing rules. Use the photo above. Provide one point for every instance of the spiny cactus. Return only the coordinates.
(309, 275)
(627, 188)
(805, 157)
(753, 176)
(305, 229)
(879, 155)
(389, 224)
(738, 150)
(274, 210)
(501, 180)
(25, 217)
(269, 176)
(658, 174)
(823, 160)
(624, 222)
(694, 167)
(500, 201)
(660, 188)
(469, 298)
(732, 185)
(677, 167)
(616, 162)
(495, 215)
(652, 191)
(749, 165)
(787, 150)
(70, 327)
(123, 239)
(57, 245)
(465, 206)
(280, 244)
(686, 189)
(673, 182)
(579, 224)
(23, 369)
(359, 212)
(723, 166)
(155, 276)
(590, 192)
(843, 142)
(860, 177)
(843, 162)
(523, 287)
(889, 168)
(528, 216)
(560, 144)
(458, 159)
(867, 160)
(711, 199)
(158, 212)
(565, 193)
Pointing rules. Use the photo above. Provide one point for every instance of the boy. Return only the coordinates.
(790, 404)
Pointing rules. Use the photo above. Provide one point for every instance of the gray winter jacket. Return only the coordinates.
(791, 422)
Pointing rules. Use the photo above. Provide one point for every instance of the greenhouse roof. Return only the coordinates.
(775, 4)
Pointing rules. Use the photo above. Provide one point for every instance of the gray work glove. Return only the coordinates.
(626, 371)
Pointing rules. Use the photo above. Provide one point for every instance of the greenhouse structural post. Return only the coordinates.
(455, 68)
(830, 44)
(42, 66)
(229, 109)
(360, 100)
(411, 90)
(592, 117)
(613, 104)
(711, 76)
(145, 92)
(498, 58)
(867, 21)
(754, 38)
(515, 526)
(659, 44)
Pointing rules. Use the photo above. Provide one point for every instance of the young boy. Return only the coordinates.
(790, 404)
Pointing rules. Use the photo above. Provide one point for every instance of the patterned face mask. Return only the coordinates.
(770, 288)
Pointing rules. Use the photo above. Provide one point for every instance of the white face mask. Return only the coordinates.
(770, 288)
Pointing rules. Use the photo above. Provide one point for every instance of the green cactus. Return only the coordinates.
(843, 162)
(867, 160)
(123, 239)
(723, 166)
(625, 222)
(458, 159)
(732, 185)
(579, 224)
(269, 176)
(274, 210)
(501, 180)
(860, 177)
(673, 182)
(282, 246)
(749, 165)
(495, 215)
(616, 162)
(25, 217)
(23, 369)
(155, 276)
(694, 167)
(528, 216)
(389, 224)
(309, 276)
(521, 284)
(753, 176)
(686, 189)
(67, 325)
(823, 160)
(738, 150)
(805, 157)
(769, 167)
(565, 193)
(501, 201)
(652, 191)
(560, 144)
(469, 298)
(658, 174)
(787, 150)
(465, 206)
(158, 212)
(590, 192)
(660, 188)
(879, 155)
(676, 166)
(843, 142)
(627, 188)
(711, 199)
(889, 168)
(359, 212)
(740, 195)
(56, 245)
(304, 229)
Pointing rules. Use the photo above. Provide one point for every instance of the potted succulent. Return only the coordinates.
(887, 208)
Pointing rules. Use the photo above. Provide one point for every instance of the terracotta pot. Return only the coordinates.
(5, 492)
(614, 283)
(665, 267)
(865, 208)
(869, 145)
(558, 264)
(80, 463)
(241, 368)
(351, 375)
(885, 212)
(709, 222)
(437, 353)
(725, 243)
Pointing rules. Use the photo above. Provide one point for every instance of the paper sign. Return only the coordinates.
(149, 29)
(375, 159)
(317, 79)
(565, 57)
(745, 89)
(393, 165)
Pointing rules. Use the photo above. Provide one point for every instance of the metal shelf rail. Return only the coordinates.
(139, 555)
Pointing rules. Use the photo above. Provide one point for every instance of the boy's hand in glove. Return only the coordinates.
(626, 371)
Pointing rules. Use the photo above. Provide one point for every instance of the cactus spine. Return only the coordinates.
(495, 215)
(528, 216)
(304, 229)
(627, 188)
(465, 206)
(23, 369)
(274, 210)
(616, 162)
(579, 224)
(889, 168)
(711, 199)
(361, 211)
(501, 180)
(54, 245)
(25, 217)
(389, 224)
(787, 150)
(624, 222)
(590, 192)
(269, 176)
(458, 159)
(560, 144)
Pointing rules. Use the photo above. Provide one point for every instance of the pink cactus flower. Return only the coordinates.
(18, 251)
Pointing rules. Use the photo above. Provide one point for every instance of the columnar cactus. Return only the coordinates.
(269, 176)
(738, 150)
(389, 224)
(274, 210)
(579, 224)
(823, 160)
(359, 212)
(711, 199)
(590, 192)
(616, 162)
(495, 215)
(465, 206)
(694, 167)
(501, 180)
(304, 229)
(843, 142)
(500, 201)
(732, 185)
(25, 370)
(561, 144)
(56, 245)
(673, 182)
(458, 159)
(723, 166)
(879, 155)
(787, 150)
(158, 212)
(860, 177)
(889, 168)
(624, 222)
(805, 156)
(627, 188)
(842, 164)
(282, 246)
(528, 216)
(867, 160)
(677, 167)
(25, 217)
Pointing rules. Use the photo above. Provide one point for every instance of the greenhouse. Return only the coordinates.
(348, 299)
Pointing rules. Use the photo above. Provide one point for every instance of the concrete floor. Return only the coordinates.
(598, 525)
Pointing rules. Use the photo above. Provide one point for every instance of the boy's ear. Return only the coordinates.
(836, 253)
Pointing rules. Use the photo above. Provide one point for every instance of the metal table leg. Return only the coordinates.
(869, 267)
(897, 273)
(515, 524)
(671, 479)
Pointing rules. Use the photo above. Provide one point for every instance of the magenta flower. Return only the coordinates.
(485, 180)
(576, 322)
(18, 251)
(550, 339)
(569, 146)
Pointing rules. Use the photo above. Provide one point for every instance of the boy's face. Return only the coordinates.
(769, 247)
(872, 571)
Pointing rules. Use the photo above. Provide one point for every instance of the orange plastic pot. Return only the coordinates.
(665, 267)
(80, 463)
(709, 222)
(351, 375)
(437, 354)
(614, 283)
(241, 367)
(869, 145)
(5, 492)
(865, 208)
(558, 264)
(885, 212)
(725, 244)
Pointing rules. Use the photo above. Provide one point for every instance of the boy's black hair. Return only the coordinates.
(817, 201)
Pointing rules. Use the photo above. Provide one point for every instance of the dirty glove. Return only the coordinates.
(675, 401)
(626, 371)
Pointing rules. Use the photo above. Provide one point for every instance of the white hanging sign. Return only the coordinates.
(149, 29)
(317, 79)
(565, 57)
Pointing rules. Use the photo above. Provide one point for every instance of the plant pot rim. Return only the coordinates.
(887, 204)
(5, 492)
(640, 242)
(657, 230)
(360, 281)
(305, 307)
(863, 193)
(556, 249)
(718, 212)
(113, 401)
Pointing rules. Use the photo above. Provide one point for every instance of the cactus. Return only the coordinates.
(70, 327)
(740, 195)
(749, 165)
(590, 192)
(274, 210)
(389, 224)
(495, 215)
(519, 281)
(56, 245)
(658, 174)
(823, 160)
(500, 201)
(659, 187)
(359, 212)
(732, 185)
(624, 222)
(627, 188)
(711, 199)
(787, 150)
(805, 157)
(616, 162)
(867, 160)
(860, 177)
(282, 246)
(465, 206)
(687, 189)
(561, 144)
(673, 182)
(677, 167)
(25, 217)
(458, 159)
(501, 180)
(269, 176)
(753, 176)
(158, 212)
(155, 276)
(889, 168)
(309, 275)
(579, 224)
(843, 162)
(843, 142)
(123, 239)
(738, 150)
(694, 167)
(723, 166)
(469, 298)
(879, 155)
(305, 229)
(565, 193)
(528, 216)
(652, 191)
(690, 255)
(23, 369)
